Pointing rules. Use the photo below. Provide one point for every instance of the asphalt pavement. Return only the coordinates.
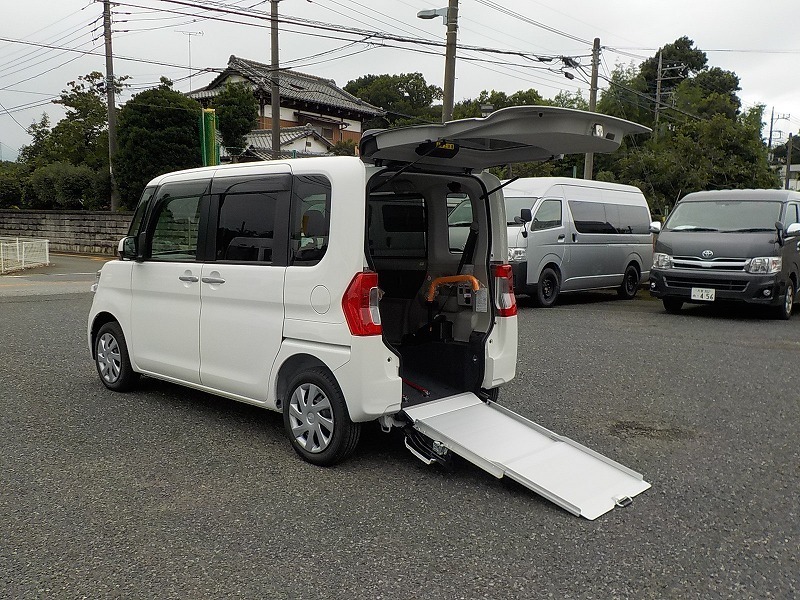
(170, 493)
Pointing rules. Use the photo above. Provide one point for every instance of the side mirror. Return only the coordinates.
(526, 215)
(127, 248)
(655, 227)
(792, 229)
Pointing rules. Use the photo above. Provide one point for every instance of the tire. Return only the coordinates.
(548, 288)
(112, 359)
(316, 420)
(630, 283)
(673, 305)
(784, 311)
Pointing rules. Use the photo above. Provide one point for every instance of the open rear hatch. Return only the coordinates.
(510, 135)
(506, 444)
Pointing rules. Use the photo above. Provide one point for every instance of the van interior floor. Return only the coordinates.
(436, 369)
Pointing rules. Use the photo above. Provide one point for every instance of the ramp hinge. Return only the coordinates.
(623, 501)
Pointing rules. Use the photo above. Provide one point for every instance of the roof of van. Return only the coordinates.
(537, 186)
(748, 195)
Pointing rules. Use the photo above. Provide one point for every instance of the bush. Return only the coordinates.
(13, 177)
(61, 185)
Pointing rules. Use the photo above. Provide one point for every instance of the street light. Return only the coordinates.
(450, 18)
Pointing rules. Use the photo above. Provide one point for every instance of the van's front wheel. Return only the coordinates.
(784, 311)
(548, 288)
(316, 419)
(630, 283)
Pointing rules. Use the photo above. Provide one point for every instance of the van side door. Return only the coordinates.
(241, 285)
(547, 234)
(165, 284)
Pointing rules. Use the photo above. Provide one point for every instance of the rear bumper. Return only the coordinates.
(728, 286)
(520, 272)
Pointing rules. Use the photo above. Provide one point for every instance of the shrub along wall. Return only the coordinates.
(90, 232)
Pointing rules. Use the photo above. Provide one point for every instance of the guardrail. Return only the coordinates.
(22, 253)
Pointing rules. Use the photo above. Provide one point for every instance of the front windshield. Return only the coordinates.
(515, 205)
(724, 215)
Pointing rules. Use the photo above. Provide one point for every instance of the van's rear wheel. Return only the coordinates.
(548, 288)
(630, 283)
(784, 311)
(673, 305)
(316, 419)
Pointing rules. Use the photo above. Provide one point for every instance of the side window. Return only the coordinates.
(633, 219)
(311, 219)
(397, 226)
(141, 208)
(177, 222)
(548, 215)
(791, 215)
(246, 221)
(590, 217)
(458, 222)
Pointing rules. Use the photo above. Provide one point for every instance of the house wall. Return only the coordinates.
(90, 232)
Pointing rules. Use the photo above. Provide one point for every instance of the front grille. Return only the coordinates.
(714, 264)
(731, 285)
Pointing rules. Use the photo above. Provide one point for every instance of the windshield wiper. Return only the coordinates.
(692, 228)
(750, 230)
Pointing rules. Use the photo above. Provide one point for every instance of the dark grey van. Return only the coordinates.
(729, 245)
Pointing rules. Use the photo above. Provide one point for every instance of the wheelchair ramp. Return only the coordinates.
(504, 443)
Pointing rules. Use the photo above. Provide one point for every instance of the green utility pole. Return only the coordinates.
(209, 147)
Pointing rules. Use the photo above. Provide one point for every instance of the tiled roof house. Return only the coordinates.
(306, 101)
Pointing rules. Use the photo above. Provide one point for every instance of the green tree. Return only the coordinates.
(61, 185)
(237, 115)
(344, 148)
(39, 151)
(158, 132)
(13, 177)
(497, 100)
(407, 98)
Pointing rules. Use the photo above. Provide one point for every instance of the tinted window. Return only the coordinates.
(791, 215)
(548, 215)
(590, 217)
(397, 226)
(311, 207)
(246, 221)
(633, 219)
(177, 221)
(141, 208)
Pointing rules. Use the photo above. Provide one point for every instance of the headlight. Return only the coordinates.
(662, 261)
(764, 264)
(517, 254)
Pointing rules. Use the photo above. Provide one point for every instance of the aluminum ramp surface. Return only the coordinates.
(504, 443)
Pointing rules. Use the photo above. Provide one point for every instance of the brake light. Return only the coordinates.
(360, 304)
(504, 300)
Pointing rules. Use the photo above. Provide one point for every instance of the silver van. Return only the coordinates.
(574, 235)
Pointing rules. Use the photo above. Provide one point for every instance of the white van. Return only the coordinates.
(574, 235)
(328, 289)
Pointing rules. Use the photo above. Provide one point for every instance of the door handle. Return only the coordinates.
(561, 238)
(213, 280)
(574, 237)
(189, 278)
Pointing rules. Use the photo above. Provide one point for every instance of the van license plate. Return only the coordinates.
(706, 294)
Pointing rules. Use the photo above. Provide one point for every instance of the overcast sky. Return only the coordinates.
(738, 35)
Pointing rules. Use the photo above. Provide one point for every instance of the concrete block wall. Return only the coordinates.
(86, 232)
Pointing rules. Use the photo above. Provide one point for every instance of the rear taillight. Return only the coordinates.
(360, 304)
(504, 300)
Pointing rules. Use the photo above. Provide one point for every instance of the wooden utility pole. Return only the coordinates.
(788, 162)
(112, 110)
(450, 61)
(275, 94)
(588, 164)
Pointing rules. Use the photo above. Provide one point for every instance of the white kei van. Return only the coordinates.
(328, 289)
(574, 235)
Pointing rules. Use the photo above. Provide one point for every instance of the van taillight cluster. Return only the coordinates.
(504, 300)
(360, 304)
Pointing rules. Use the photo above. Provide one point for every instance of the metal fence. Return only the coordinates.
(21, 253)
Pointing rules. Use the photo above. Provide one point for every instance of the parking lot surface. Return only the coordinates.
(170, 493)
